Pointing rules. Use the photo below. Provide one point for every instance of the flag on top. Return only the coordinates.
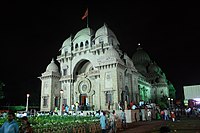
(85, 15)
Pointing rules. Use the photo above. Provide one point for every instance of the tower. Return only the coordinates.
(50, 88)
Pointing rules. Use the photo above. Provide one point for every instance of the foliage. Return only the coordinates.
(56, 122)
(172, 91)
(163, 102)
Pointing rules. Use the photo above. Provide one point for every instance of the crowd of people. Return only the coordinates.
(108, 121)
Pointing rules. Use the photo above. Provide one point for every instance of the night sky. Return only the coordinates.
(32, 34)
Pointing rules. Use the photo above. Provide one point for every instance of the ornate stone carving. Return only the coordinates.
(84, 86)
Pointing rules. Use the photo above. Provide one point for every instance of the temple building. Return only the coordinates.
(94, 72)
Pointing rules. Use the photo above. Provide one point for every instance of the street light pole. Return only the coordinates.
(27, 96)
(172, 103)
(61, 101)
(168, 102)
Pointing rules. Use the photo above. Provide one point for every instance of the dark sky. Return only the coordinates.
(33, 32)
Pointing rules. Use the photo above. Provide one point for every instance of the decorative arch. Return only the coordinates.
(82, 67)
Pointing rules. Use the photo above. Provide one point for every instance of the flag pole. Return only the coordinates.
(87, 18)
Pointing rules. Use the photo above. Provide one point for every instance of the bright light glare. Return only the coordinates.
(197, 99)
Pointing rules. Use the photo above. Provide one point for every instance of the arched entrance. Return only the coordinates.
(125, 95)
(83, 99)
(84, 102)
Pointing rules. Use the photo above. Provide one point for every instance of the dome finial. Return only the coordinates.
(52, 61)
(139, 46)
(105, 24)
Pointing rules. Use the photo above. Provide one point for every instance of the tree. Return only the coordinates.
(163, 102)
(1, 90)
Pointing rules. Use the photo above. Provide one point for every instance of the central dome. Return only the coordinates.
(141, 57)
(86, 31)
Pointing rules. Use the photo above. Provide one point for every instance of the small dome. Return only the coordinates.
(111, 52)
(160, 80)
(141, 68)
(86, 31)
(104, 31)
(52, 67)
(153, 67)
(141, 57)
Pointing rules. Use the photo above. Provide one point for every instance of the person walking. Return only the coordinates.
(113, 122)
(123, 119)
(103, 122)
(10, 126)
(25, 127)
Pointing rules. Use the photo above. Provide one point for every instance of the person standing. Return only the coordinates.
(67, 109)
(173, 116)
(11, 125)
(148, 114)
(25, 127)
(103, 122)
(166, 114)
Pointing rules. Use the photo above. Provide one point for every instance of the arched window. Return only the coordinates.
(56, 102)
(81, 45)
(112, 42)
(76, 46)
(86, 44)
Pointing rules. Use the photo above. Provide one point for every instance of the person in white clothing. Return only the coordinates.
(149, 115)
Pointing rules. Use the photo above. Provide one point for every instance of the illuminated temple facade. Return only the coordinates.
(94, 71)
